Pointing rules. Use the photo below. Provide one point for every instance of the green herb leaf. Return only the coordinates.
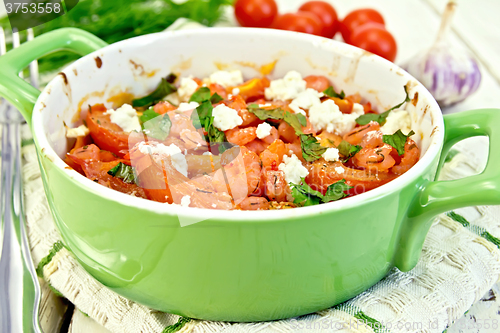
(164, 88)
(397, 140)
(331, 93)
(124, 172)
(204, 112)
(380, 118)
(348, 150)
(336, 191)
(200, 95)
(148, 115)
(304, 195)
(158, 127)
(206, 120)
(296, 120)
(264, 114)
(311, 148)
(216, 98)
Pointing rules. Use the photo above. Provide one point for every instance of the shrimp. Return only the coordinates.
(329, 140)
(254, 203)
(238, 103)
(355, 136)
(241, 136)
(164, 107)
(237, 175)
(257, 146)
(377, 158)
(321, 175)
(410, 157)
(317, 82)
(296, 149)
(273, 155)
(271, 137)
(286, 132)
(276, 186)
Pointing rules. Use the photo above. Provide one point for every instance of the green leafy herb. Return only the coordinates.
(158, 127)
(203, 94)
(200, 95)
(124, 172)
(311, 148)
(117, 20)
(380, 118)
(148, 115)
(331, 93)
(206, 120)
(348, 150)
(216, 98)
(336, 191)
(397, 140)
(304, 195)
(296, 120)
(264, 114)
(164, 88)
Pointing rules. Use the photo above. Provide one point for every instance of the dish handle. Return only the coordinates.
(19, 92)
(437, 197)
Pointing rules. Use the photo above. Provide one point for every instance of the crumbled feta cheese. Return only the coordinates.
(187, 87)
(327, 116)
(81, 130)
(305, 100)
(227, 79)
(263, 130)
(397, 119)
(185, 201)
(286, 88)
(178, 159)
(236, 91)
(264, 105)
(207, 153)
(187, 106)
(339, 169)
(226, 118)
(331, 155)
(214, 205)
(293, 169)
(125, 117)
(358, 109)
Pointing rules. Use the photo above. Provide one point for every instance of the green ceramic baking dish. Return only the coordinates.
(234, 265)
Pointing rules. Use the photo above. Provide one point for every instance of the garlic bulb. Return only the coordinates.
(450, 75)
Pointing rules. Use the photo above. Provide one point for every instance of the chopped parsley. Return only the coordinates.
(380, 118)
(165, 88)
(397, 140)
(124, 172)
(311, 148)
(296, 120)
(331, 93)
(304, 195)
(348, 150)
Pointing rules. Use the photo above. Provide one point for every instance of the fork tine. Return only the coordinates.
(33, 64)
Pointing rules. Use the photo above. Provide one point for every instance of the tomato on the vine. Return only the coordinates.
(374, 38)
(300, 21)
(255, 13)
(357, 18)
(326, 13)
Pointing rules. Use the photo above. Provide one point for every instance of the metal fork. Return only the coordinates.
(19, 286)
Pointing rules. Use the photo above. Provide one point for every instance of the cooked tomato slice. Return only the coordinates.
(106, 135)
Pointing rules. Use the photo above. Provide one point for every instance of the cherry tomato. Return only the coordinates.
(317, 82)
(255, 13)
(374, 38)
(326, 13)
(357, 18)
(301, 22)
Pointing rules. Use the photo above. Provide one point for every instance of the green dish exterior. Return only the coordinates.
(248, 270)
